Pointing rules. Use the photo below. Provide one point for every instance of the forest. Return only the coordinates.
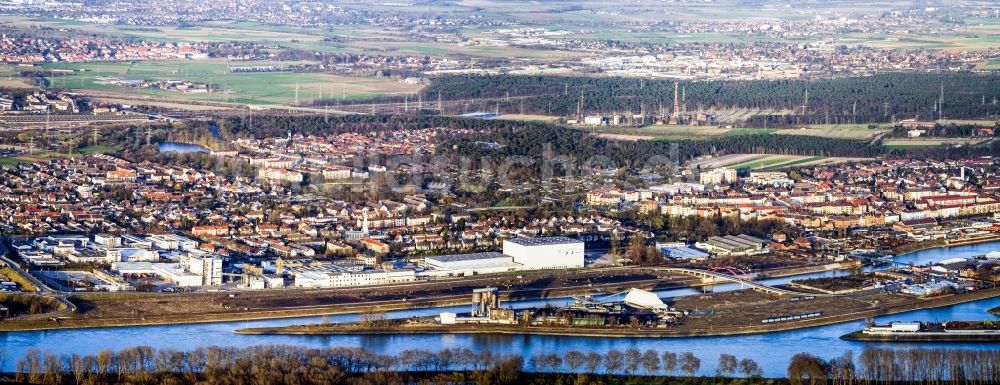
(868, 99)
(284, 364)
(582, 145)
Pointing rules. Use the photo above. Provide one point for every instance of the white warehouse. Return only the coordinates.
(545, 252)
(470, 264)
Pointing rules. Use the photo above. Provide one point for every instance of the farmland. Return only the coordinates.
(907, 143)
(842, 131)
(250, 88)
(764, 161)
(682, 132)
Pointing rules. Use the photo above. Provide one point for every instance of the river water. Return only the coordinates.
(772, 350)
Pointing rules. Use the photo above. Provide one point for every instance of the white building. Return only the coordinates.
(333, 278)
(208, 267)
(192, 271)
(280, 175)
(721, 175)
(131, 254)
(474, 263)
(337, 172)
(172, 242)
(173, 272)
(770, 178)
(545, 252)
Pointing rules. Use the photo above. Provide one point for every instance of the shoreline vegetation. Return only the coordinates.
(284, 364)
(404, 304)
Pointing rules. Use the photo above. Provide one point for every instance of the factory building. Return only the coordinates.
(518, 254)
(735, 245)
(545, 252)
(334, 277)
(474, 263)
(191, 271)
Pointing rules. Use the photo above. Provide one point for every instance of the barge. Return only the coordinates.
(950, 331)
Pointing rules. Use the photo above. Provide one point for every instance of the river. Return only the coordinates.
(772, 350)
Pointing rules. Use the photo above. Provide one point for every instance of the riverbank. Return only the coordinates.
(943, 243)
(318, 302)
(921, 337)
(137, 309)
(405, 328)
(258, 305)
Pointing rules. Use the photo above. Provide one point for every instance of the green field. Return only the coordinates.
(749, 131)
(767, 161)
(11, 161)
(680, 132)
(97, 149)
(249, 88)
(989, 65)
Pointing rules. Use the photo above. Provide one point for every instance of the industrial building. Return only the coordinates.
(474, 263)
(735, 245)
(334, 276)
(518, 254)
(191, 271)
(683, 252)
(545, 252)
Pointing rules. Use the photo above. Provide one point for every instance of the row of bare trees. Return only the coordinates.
(281, 364)
(634, 361)
(935, 366)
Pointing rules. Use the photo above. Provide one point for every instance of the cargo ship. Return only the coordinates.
(950, 331)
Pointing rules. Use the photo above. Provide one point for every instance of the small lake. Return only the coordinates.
(182, 148)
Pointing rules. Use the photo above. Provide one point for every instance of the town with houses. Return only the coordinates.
(181, 180)
(188, 228)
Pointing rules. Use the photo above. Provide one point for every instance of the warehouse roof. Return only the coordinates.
(468, 257)
(542, 241)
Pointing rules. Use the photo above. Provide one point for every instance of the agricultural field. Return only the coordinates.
(248, 88)
(359, 39)
(206, 32)
(530, 118)
(764, 161)
(681, 132)
(9, 78)
(980, 122)
(839, 131)
(908, 143)
(674, 132)
(989, 65)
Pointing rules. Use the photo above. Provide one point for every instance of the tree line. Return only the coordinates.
(863, 99)
(284, 364)
(559, 140)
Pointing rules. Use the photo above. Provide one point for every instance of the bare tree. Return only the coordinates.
(593, 362)
(4, 356)
(807, 368)
(53, 369)
(650, 361)
(632, 360)
(669, 362)
(574, 359)
(689, 364)
(749, 368)
(727, 365)
(613, 361)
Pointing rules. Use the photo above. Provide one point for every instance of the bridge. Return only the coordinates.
(736, 275)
